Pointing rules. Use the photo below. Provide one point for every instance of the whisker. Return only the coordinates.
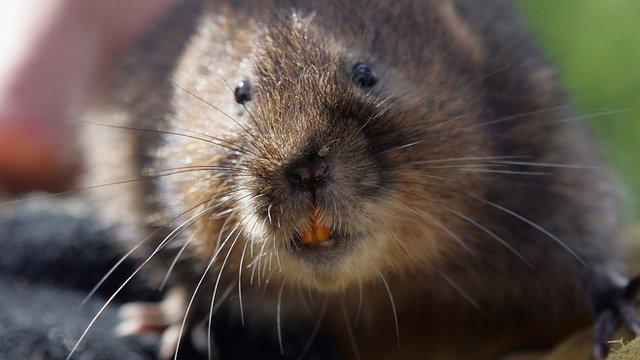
(195, 291)
(360, 299)
(200, 167)
(316, 328)
(127, 280)
(553, 121)
(310, 296)
(98, 186)
(244, 250)
(278, 256)
(404, 146)
(517, 116)
(304, 301)
(387, 259)
(123, 258)
(260, 256)
(278, 318)
(550, 165)
(200, 98)
(223, 297)
(536, 226)
(175, 261)
(215, 289)
(507, 172)
(433, 177)
(378, 114)
(219, 110)
(221, 142)
(464, 294)
(492, 234)
(484, 77)
(347, 324)
(274, 249)
(468, 158)
(465, 166)
(518, 216)
(440, 225)
(442, 123)
(399, 244)
(594, 115)
(393, 305)
(269, 212)
(267, 281)
(255, 122)
(221, 233)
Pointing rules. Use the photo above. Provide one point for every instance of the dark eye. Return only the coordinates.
(363, 76)
(242, 92)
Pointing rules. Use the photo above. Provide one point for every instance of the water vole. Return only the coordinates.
(380, 171)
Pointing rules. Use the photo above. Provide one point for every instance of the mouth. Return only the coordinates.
(319, 243)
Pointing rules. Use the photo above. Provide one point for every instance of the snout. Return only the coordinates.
(308, 174)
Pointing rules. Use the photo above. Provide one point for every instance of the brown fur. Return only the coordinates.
(455, 80)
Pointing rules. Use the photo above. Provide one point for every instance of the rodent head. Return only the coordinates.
(338, 133)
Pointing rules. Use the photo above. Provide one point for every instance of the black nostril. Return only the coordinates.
(297, 176)
(309, 174)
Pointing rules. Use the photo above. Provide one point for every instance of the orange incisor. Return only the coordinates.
(317, 232)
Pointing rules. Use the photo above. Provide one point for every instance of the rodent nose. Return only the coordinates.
(308, 174)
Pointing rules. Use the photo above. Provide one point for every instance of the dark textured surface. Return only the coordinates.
(49, 241)
(40, 321)
(53, 253)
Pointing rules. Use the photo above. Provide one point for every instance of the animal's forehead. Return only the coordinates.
(295, 55)
(298, 42)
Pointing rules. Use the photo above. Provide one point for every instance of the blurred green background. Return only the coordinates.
(596, 44)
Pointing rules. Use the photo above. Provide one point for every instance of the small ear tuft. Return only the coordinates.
(465, 39)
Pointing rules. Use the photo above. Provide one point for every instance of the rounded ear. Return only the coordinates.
(465, 40)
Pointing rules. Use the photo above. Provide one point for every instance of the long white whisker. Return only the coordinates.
(404, 146)
(393, 305)
(215, 289)
(545, 164)
(260, 256)
(464, 294)
(507, 172)
(277, 255)
(175, 260)
(127, 280)
(440, 225)
(536, 226)
(493, 235)
(468, 158)
(304, 302)
(465, 166)
(360, 300)
(316, 328)
(279, 318)
(516, 116)
(123, 258)
(195, 291)
(223, 297)
(399, 244)
(347, 324)
(310, 296)
(244, 250)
